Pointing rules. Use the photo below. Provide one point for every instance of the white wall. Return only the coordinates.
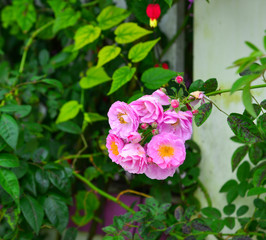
(220, 29)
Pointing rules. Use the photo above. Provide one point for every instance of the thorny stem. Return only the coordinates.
(217, 106)
(103, 193)
(26, 48)
(132, 191)
(205, 192)
(65, 158)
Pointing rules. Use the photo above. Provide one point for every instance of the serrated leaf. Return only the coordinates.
(129, 32)
(42, 180)
(95, 76)
(9, 183)
(69, 127)
(19, 110)
(203, 114)
(139, 51)
(243, 81)
(85, 35)
(9, 130)
(107, 53)
(54, 83)
(247, 100)
(244, 128)
(68, 111)
(154, 78)
(8, 160)
(111, 16)
(238, 156)
(57, 212)
(120, 77)
(65, 18)
(33, 212)
(256, 191)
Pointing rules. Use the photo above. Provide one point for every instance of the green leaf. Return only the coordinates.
(59, 178)
(9, 182)
(57, 212)
(70, 234)
(256, 191)
(211, 212)
(95, 76)
(109, 230)
(129, 32)
(238, 156)
(68, 111)
(154, 78)
(242, 210)
(264, 42)
(263, 104)
(91, 173)
(25, 14)
(65, 18)
(203, 114)
(244, 128)
(256, 152)
(54, 83)
(57, 5)
(231, 195)
(252, 46)
(242, 188)
(93, 117)
(85, 35)
(259, 176)
(19, 110)
(229, 209)
(229, 222)
(243, 171)
(247, 100)
(69, 127)
(229, 185)
(139, 51)
(120, 77)
(42, 180)
(9, 130)
(8, 160)
(196, 86)
(241, 82)
(261, 122)
(107, 53)
(111, 16)
(210, 85)
(33, 212)
(257, 110)
(259, 203)
(169, 2)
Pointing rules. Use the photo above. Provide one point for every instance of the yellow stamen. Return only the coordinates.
(153, 23)
(166, 151)
(120, 118)
(114, 148)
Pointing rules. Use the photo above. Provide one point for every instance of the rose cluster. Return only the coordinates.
(145, 138)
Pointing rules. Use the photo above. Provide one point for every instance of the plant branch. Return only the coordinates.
(132, 191)
(104, 194)
(205, 192)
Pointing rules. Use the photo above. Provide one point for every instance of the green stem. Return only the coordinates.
(77, 156)
(229, 90)
(26, 48)
(90, 3)
(104, 194)
(205, 192)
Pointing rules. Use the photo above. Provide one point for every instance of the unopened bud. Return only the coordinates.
(179, 79)
(149, 160)
(154, 125)
(163, 90)
(155, 132)
(195, 112)
(144, 126)
(174, 103)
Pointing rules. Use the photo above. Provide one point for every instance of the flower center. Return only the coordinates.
(176, 123)
(120, 118)
(114, 148)
(166, 151)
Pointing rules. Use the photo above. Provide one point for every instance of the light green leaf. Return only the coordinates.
(139, 51)
(9, 130)
(247, 79)
(120, 77)
(57, 212)
(19, 110)
(247, 100)
(129, 32)
(154, 78)
(95, 76)
(33, 212)
(169, 2)
(252, 46)
(256, 191)
(54, 83)
(7, 16)
(65, 18)
(85, 35)
(57, 5)
(93, 117)
(9, 183)
(107, 53)
(111, 16)
(8, 160)
(68, 111)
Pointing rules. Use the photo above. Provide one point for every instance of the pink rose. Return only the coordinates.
(167, 150)
(114, 145)
(134, 137)
(133, 158)
(153, 171)
(178, 123)
(122, 119)
(148, 109)
(161, 97)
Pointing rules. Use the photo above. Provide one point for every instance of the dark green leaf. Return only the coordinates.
(54, 83)
(33, 212)
(42, 180)
(196, 86)
(256, 191)
(231, 195)
(244, 128)
(199, 225)
(261, 122)
(211, 212)
(236, 139)
(243, 172)
(242, 188)
(70, 234)
(257, 109)
(179, 211)
(242, 210)
(263, 104)
(69, 127)
(259, 176)
(229, 209)
(210, 85)
(229, 185)
(252, 46)
(203, 114)
(189, 212)
(29, 182)
(238, 156)
(229, 222)
(19, 110)
(256, 152)
(154, 78)
(259, 203)
(8, 160)
(59, 179)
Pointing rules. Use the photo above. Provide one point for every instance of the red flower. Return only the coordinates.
(153, 12)
(165, 66)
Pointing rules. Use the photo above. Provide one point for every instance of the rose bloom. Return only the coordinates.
(133, 158)
(153, 171)
(178, 123)
(167, 150)
(122, 119)
(148, 109)
(161, 97)
(114, 145)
